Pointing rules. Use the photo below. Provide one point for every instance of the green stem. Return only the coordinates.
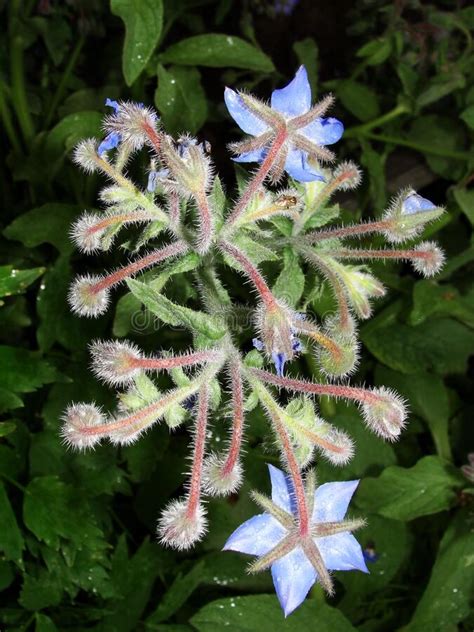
(17, 74)
(397, 111)
(7, 120)
(13, 482)
(58, 95)
(423, 149)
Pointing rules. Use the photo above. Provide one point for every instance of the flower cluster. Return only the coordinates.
(184, 223)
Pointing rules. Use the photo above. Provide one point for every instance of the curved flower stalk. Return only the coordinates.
(179, 213)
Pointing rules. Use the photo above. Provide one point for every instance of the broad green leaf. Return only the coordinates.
(431, 299)
(49, 223)
(256, 251)
(217, 51)
(11, 539)
(440, 87)
(7, 427)
(289, 285)
(465, 199)
(44, 623)
(143, 21)
(262, 612)
(442, 133)
(173, 314)
(180, 99)
(376, 51)
(41, 590)
(468, 116)
(8, 400)
(72, 129)
(6, 574)
(447, 598)
(358, 99)
(23, 371)
(422, 348)
(13, 281)
(428, 398)
(405, 494)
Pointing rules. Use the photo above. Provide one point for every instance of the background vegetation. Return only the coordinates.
(77, 544)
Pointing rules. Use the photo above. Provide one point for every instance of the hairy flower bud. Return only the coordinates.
(384, 413)
(346, 176)
(179, 529)
(407, 215)
(85, 299)
(85, 155)
(115, 362)
(78, 420)
(275, 326)
(216, 480)
(360, 287)
(429, 260)
(133, 122)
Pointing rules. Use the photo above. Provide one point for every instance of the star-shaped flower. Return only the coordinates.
(414, 203)
(297, 560)
(290, 116)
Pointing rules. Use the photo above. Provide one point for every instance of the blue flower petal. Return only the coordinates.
(324, 131)
(257, 343)
(331, 501)
(282, 489)
(247, 121)
(251, 156)
(112, 104)
(299, 169)
(279, 360)
(293, 575)
(295, 98)
(341, 552)
(415, 203)
(111, 141)
(256, 536)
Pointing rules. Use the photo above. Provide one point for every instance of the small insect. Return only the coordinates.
(287, 201)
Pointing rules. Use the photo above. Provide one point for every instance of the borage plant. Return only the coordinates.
(190, 226)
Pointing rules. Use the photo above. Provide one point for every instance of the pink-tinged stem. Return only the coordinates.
(303, 516)
(174, 210)
(119, 219)
(238, 418)
(348, 253)
(199, 446)
(252, 272)
(205, 222)
(153, 137)
(165, 364)
(259, 177)
(348, 231)
(174, 249)
(332, 390)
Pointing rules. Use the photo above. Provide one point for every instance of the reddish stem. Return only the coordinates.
(259, 177)
(348, 253)
(176, 248)
(163, 364)
(153, 137)
(348, 231)
(205, 221)
(237, 420)
(116, 219)
(252, 272)
(199, 445)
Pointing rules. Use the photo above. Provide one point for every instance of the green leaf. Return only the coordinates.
(468, 116)
(428, 398)
(375, 52)
(217, 51)
(72, 129)
(49, 223)
(440, 87)
(422, 348)
(40, 590)
(14, 281)
(23, 371)
(143, 25)
(405, 494)
(8, 400)
(11, 540)
(7, 427)
(289, 285)
(431, 299)
(180, 99)
(256, 251)
(375, 164)
(173, 314)
(44, 623)
(465, 199)
(442, 133)
(262, 612)
(358, 99)
(447, 598)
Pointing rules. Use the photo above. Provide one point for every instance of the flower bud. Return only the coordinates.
(179, 530)
(276, 330)
(408, 214)
(85, 300)
(114, 362)
(336, 446)
(384, 413)
(339, 357)
(360, 287)
(131, 121)
(430, 258)
(85, 235)
(188, 164)
(347, 176)
(78, 420)
(216, 481)
(85, 155)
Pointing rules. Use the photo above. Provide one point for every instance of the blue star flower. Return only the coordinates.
(112, 140)
(293, 570)
(414, 203)
(308, 133)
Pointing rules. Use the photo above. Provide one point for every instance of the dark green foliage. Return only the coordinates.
(77, 531)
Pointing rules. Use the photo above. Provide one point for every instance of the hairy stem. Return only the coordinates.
(199, 447)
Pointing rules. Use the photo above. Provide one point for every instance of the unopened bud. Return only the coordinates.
(347, 176)
(115, 362)
(339, 357)
(407, 215)
(216, 480)
(360, 287)
(78, 420)
(179, 530)
(384, 413)
(85, 299)
(131, 121)
(336, 446)
(85, 155)
(430, 258)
